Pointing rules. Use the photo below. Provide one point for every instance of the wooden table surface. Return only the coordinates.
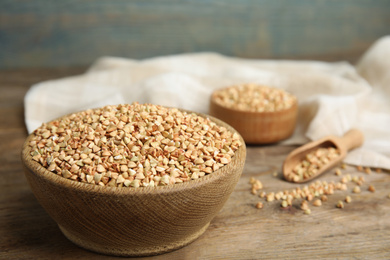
(361, 230)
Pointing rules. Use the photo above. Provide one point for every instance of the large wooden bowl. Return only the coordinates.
(258, 127)
(133, 221)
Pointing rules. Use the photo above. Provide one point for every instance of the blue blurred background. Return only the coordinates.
(44, 33)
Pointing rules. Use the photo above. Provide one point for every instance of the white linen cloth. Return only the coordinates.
(333, 97)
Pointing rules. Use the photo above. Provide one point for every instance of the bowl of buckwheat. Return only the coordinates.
(261, 114)
(133, 179)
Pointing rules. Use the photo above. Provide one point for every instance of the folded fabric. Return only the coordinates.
(333, 97)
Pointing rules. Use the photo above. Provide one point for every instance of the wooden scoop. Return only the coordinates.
(352, 139)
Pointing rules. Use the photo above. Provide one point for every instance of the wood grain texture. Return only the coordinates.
(257, 127)
(75, 33)
(239, 231)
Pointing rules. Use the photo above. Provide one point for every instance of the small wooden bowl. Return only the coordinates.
(258, 127)
(126, 221)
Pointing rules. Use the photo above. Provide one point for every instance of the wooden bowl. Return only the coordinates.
(257, 127)
(127, 221)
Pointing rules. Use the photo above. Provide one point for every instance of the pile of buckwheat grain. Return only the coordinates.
(134, 145)
(316, 193)
(312, 163)
(254, 98)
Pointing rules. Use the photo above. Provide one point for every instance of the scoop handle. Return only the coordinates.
(352, 139)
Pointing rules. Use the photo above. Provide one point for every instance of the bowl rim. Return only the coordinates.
(35, 168)
(293, 107)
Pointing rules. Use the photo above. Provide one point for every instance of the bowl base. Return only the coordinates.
(132, 252)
